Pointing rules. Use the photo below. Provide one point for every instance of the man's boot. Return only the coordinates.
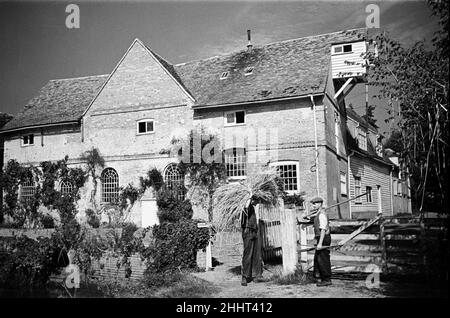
(244, 281)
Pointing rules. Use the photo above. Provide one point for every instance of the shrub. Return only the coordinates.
(175, 247)
(92, 218)
(28, 263)
(294, 200)
(170, 209)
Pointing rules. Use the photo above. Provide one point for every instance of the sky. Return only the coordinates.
(36, 45)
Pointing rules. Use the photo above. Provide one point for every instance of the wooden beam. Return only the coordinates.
(359, 230)
(343, 87)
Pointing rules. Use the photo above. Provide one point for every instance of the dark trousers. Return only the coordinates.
(322, 263)
(251, 258)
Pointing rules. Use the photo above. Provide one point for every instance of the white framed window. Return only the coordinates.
(342, 48)
(394, 186)
(289, 173)
(110, 185)
(343, 181)
(369, 194)
(399, 190)
(28, 140)
(224, 75)
(174, 181)
(66, 187)
(235, 118)
(361, 137)
(145, 126)
(236, 163)
(27, 190)
(358, 189)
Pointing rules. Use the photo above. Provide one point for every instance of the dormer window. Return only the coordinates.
(28, 140)
(145, 126)
(343, 48)
(224, 75)
(361, 138)
(248, 71)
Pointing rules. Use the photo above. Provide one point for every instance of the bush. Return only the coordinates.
(294, 200)
(170, 209)
(92, 218)
(175, 247)
(27, 263)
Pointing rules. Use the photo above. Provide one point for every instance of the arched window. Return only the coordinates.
(27, 190)
(110, 186)
(174, 180)
(236, 163)
(66, 187)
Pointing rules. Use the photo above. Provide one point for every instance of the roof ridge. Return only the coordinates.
(80, 77)
(266, 44)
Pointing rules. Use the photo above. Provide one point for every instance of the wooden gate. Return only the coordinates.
(270, 226)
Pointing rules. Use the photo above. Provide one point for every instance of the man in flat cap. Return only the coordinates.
(322, 264)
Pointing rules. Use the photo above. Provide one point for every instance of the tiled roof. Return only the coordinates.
(282, 69)
(60, 100)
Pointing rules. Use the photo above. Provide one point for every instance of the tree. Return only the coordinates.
(416, 78)
(201, 161)
(394, 141)
(369, 117)
(94, 161)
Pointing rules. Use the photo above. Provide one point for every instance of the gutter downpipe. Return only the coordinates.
(315, 145)
(348, 175)
(391, 190)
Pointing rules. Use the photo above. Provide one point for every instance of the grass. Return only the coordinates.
(298, 277)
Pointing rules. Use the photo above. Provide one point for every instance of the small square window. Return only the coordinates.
(234, 118)
(28, 140)
(145, 126)
(347, 48)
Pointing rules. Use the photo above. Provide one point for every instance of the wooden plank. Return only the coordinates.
(359, 230)
(289, 241)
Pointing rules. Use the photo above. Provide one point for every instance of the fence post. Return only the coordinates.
(289, 242)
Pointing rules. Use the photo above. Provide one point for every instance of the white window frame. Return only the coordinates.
(242, 165)
(145, 121)
(343, 183)
(297, 168)
(400, 188)
(27, 190)
(66, 187)
(369, 194)
(357, 185)
(110, 188)
(341, 46)
(22, 140)
(227, 124)
(174, 181)
(360, 132)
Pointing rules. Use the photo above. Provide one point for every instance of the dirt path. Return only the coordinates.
(227, 280)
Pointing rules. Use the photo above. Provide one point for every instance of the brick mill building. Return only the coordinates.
(289, 94)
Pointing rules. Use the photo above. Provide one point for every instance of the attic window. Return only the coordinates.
(145, 126)
(224, 75)
(248, 71)
(28, 140)
(346, 48)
